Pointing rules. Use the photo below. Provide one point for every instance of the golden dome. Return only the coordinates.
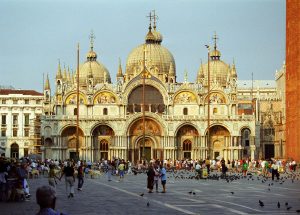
(215, 53)
(91, 55)
(218, 72)
(96, 69)
(158, 58)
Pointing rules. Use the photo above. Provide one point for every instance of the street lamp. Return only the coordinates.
(208, 99)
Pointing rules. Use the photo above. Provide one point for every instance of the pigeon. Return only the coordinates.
(288, 208)
(298, 211)
(286, 204)
(194, 193)
(142, 194)
(278, 204)
(261, 204)
(232, 193)
(269, 189)
(190, 192)
(148, 204)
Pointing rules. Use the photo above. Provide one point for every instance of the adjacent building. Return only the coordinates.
(20, 113)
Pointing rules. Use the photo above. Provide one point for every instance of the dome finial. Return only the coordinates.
(215, 38)
(185, 76)
(155, 18)
(92, 37)
(150, 20)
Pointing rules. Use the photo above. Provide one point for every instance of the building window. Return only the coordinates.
(26, 120)
(15, 120)
(26, 132)
(215, 110)
(3, 133)
(15, 132)
(15, 101)
(247, 143)
(3, 101)
(75, 111)
(3, 120)
(26, 101)
(187, 145)
(105, 111)
(185, 111)
(38, 102)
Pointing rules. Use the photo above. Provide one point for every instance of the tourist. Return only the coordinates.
(68, 171)
(80, 176)
(163, 176)
(46, 199)
(109, 170)
(121, 169)
(51, 176)
(156, 176)
(275, 170)
(150, 179)
(245, 168)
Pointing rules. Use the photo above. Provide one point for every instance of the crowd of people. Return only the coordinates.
(14, 173)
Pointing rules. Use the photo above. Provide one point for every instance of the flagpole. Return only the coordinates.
(77, 113)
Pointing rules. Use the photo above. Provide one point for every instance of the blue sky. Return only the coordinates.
(36, 33)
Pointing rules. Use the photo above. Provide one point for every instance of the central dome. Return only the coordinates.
(158, 58)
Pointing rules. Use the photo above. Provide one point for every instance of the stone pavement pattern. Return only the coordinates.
(211, 197)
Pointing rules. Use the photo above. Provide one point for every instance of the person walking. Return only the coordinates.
(68, 171)
(109, 170)
(275, 170)
(150, 178)
(51, 176)
(163, 176)
(80, 176)
(121, 168)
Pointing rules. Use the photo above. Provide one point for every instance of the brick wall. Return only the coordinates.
(292, 79)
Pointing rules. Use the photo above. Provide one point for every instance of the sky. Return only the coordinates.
(36, 33)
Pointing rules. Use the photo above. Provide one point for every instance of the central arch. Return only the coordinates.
(150, 146)
(68, 136)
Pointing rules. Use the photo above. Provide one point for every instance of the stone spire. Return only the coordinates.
(47, 84)
(120, 73)
(58, 74)
(233, 70)
(171, 70)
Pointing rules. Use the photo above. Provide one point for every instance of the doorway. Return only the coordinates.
(216, 154)
(73, 155)
(147, 153)
(269, 151)
(14, 151)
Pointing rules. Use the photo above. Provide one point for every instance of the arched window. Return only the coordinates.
(187, 145)
(185, 111)
(105, 111)
(75, 111)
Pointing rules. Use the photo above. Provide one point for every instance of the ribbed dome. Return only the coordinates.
(98, 71)
(158, 58)
(218, 71)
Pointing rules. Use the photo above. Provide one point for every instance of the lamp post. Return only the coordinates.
(208, 99)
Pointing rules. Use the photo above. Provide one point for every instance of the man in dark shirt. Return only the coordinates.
(68, 171)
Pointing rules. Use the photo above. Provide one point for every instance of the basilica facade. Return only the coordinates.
(175, 120)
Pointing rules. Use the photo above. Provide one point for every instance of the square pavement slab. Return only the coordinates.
(184, 196)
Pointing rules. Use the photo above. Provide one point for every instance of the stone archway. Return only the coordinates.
(219, 142)
(102, 138)
(14, 150)
(186, 138)
(69, 142)
(152, 147)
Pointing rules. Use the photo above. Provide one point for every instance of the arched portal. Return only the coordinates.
(150, 145)
(219, 142)
(102, 137)
(68, 136)
(245, 142)
(186, 138)
(14, 150)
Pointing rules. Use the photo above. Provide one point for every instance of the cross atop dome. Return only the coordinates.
(215, 38)
(155, 18)
(92, 37)
(150, 20)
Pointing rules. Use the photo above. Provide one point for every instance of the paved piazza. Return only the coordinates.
(211, 197)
